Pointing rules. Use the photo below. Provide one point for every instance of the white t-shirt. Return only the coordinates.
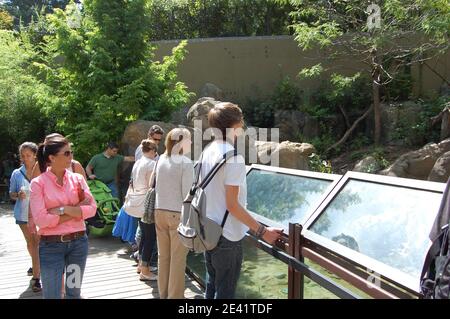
(232, 173)
(142, 171)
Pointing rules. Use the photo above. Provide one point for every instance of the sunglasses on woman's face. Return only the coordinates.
(67, 153)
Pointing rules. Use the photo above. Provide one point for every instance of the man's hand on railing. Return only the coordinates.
(272, 234)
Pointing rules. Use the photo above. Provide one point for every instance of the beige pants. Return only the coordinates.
(171, 255)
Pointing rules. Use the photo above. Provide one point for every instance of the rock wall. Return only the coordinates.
(428, 163)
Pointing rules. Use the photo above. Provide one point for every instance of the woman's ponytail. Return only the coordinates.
(42, 161)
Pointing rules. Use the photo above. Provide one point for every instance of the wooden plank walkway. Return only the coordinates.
(110, 273)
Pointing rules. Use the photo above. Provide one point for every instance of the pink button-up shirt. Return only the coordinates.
(46, 194)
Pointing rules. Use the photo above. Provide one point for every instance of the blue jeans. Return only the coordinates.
(223, 267)
(113, 187)
(55, 258)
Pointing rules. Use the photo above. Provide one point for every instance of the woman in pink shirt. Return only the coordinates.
(60, 201)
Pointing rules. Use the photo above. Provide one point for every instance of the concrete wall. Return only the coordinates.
(253, 66)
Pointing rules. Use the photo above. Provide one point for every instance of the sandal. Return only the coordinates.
(150, 277)
(35, 284)
(30, 272)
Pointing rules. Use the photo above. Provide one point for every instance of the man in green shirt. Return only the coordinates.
(104, 166)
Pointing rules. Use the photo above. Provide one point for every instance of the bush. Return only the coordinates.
(286, 96)
(108, 77)
(24, 99)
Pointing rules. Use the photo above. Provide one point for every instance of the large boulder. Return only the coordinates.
(290, 155)
(180, 117)
(367, 165)
(441, 169)
(290, 124)
(137, 131)
(199, 111)
(418, 164)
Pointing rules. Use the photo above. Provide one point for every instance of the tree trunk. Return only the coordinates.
(376, 80)
(445, 125)
(376, 112)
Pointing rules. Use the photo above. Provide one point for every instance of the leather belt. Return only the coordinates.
(62, 238)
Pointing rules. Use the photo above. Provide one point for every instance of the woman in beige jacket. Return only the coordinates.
(174, 177)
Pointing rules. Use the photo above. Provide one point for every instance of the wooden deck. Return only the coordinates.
(110, 273)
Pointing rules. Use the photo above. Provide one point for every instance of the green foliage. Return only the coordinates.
(181, 19)
(379, 155)
(25, 11)
(359, 141)
(258, 113)
(286, 96)
(326, 138)
(420, 131)
(23, 97)
(317, 164)
(101, 66)
(400, 89)
(350, 93)
(410, 31)
(6, 20)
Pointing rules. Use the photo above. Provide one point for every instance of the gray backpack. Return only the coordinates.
(196, 231)
(435, 277)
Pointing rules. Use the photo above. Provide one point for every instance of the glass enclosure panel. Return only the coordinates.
(387, 223)
(262, 276)
(281, 197)
(313, 290)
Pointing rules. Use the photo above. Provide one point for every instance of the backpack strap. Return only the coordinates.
(213, 172)
(198, 169)
(154, 175)
(216, 168)
(224, 218)
(28, 180)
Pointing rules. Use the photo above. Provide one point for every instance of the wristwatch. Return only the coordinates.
(61, 210)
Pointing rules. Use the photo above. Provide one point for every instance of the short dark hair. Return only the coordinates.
(112, 145)
(224, 115)
(155, 129)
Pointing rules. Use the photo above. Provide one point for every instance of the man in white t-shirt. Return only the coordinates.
(228, 191)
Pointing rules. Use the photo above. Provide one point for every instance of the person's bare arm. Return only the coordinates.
(79, 169)
(89, 172)
(128, 158)
(64, 218)
(71, 211)
(235, 208)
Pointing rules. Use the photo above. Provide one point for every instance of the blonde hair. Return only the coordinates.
(175, 137)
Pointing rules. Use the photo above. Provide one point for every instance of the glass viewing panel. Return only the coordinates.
(387, 223)
(262, 276)
(283, 198)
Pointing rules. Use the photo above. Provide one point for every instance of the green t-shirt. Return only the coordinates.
(105, 169)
